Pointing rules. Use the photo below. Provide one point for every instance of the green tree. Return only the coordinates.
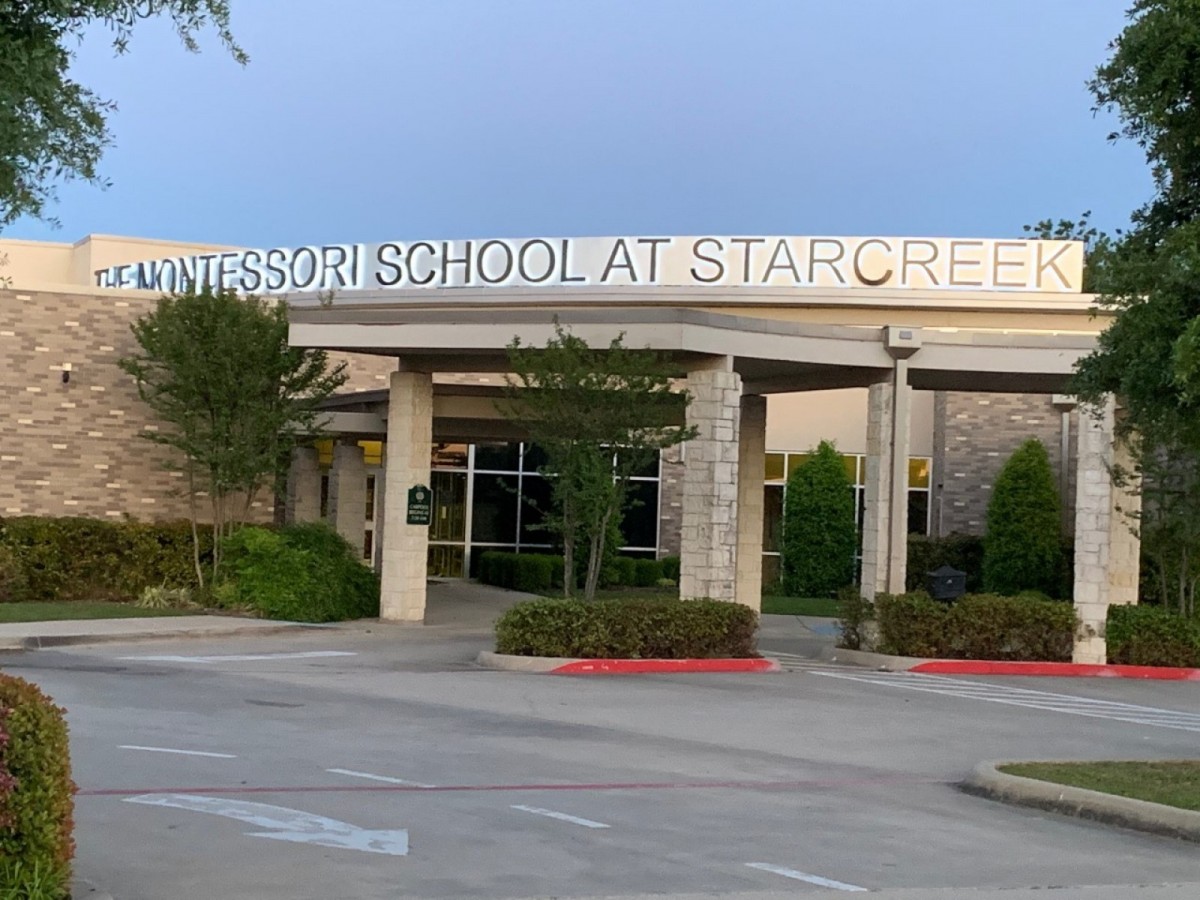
(600, 416)
(819, 535)
(53, 129)
(1022, 548)
(234, 397)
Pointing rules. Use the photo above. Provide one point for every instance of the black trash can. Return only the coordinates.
(946, 583)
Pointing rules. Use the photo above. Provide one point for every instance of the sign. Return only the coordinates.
(282, 824)
(420, 505)
(706, 261)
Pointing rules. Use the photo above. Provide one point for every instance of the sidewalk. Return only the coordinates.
(35, 635)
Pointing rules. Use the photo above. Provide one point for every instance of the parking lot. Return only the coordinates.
(348, 764)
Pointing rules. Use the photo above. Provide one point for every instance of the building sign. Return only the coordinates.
(420, 505)
(689, 262)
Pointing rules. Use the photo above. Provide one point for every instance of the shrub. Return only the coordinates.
(670, 566)
(1152, 636)
(12, 574)
(304, 573)
(36, 794)
(628, 629)
(854, 612)
(530, 572)
(959, 551)
(1022, 548)
(819, 534)
(1028, 627)
(166, 598)
(647, 572)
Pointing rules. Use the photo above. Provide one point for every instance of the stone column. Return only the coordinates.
(303, 487)
(1106, 550)
(348, 494)
(752, 461)
(876, 524)
(406, 547)
(708, 538)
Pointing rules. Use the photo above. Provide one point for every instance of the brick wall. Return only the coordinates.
(76, 448)
(974, 434)
(670, 504)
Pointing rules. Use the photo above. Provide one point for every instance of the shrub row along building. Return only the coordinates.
(927, 360)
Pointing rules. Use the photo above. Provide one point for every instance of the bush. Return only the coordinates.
(1152, 636)
(1023, 547)
(854, 612)
(91, 559)
(303, 573)
(959, 551)
(819, 534)
(1027, 627)
(647, 572)
(670, 566)
(529, 572)
(622, 572)
(36, 794)
(628, 629)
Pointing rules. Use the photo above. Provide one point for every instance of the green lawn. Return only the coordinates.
(800, 606)
(44, 612)
(1171, 783)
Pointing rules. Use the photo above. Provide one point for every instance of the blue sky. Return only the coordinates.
(362, 120)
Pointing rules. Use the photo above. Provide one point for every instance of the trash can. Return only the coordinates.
(946, 583)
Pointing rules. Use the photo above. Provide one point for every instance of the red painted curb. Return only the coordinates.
(653, 666)
(1052, 669)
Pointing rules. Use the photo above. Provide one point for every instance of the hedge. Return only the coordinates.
(1152, 636)
(540, 572)
(978, 626)
(670, 566)
(303, 573)
(819, 534)
(628, 629)
(36, 794)
(45, 558)
(1022, 549)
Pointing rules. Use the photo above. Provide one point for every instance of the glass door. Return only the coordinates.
(448, 527)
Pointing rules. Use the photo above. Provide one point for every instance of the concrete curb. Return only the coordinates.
(552, 665)
(82, 889)
(1141, 815)
(49, 641)
(866, 659)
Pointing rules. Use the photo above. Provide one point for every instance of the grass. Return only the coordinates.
(800, 606)
(1175, 783)
(46, 612)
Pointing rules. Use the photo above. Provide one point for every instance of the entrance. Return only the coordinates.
(448, 528)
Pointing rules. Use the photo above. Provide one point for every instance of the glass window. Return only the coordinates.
(497, 457)
(851, 464)
(368, 544)
(649, 467)
(324, 452)
(772, 517)
(918, 512)
(770, 569)
(372, 452)
(449, 456)
(535, 500)
(639, 526)
(494, 512)
(774, 467)
(918, 473)
(370, 510)
(324, 496)
(795, 461)
(534, 459)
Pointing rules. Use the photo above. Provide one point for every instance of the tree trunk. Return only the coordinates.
(192, 512)
(596, 559)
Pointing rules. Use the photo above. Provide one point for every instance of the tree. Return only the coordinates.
(600, 416)
(53, 129)
(1022, 549)
(217, 371)
(819, 534)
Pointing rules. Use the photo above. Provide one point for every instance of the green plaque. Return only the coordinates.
(420, 505)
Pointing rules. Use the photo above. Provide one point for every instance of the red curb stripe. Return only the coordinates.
(652, 666)
(1052, 669)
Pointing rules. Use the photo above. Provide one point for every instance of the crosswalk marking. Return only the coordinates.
(794, 661)
(1027, 698)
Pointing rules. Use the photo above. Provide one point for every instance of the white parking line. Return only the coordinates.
(1046, 701)
(562, 817)
(385, 778)
(804, 876)
(249, 657)
(180, 752)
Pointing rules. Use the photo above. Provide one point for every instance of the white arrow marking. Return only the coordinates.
(249, 657)
(285, 824)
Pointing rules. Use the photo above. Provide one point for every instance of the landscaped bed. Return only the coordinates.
(1173, 783)
(80, 609)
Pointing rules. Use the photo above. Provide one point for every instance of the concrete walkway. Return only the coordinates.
(34, 635)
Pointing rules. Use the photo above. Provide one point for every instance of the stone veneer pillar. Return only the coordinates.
(752, 462)
(348, 494)
(405, 553)
(708, 537)
(303, 486)
(876, 524)
(1106, 550)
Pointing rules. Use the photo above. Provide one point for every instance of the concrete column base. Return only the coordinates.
(303, 487)
(348, 494)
